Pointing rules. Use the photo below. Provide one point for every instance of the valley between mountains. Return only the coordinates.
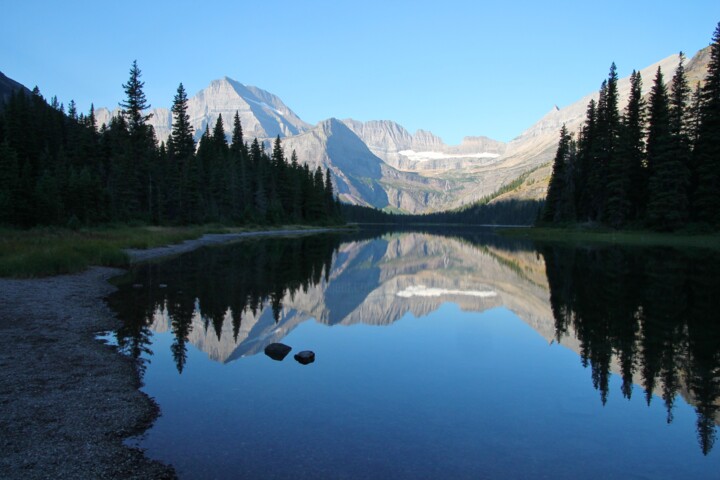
(382, 165)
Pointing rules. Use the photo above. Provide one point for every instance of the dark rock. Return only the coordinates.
(305, 357)
(137, 285)
(277, 351)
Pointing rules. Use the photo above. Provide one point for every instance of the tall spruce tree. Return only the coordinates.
(631, 148)
(608, 124)
(585, 157)
(135, 102)
(180, 154)
(183, 144)
(666, 208)
(706, 197)
(559, 204)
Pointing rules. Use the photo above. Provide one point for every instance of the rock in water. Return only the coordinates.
(305, 357)
(277, 351)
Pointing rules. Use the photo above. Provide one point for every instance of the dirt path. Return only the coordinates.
(67, 400)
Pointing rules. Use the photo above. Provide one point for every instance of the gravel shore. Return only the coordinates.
(67, 400)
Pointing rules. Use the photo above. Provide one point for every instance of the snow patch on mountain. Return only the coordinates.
(423, 291)
(434, 155)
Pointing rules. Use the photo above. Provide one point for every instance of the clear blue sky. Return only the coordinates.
(453, 67)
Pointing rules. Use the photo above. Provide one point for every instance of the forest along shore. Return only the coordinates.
(69, 400)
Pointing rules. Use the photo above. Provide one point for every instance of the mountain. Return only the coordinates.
(8, 86)
(359, 175)
(262, 114)
(379, 163)
(534, 149)
(423, 150)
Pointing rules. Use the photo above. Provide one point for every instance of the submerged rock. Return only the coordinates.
(277, 351)
(305, 357)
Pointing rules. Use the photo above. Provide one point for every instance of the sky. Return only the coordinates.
(456, 68)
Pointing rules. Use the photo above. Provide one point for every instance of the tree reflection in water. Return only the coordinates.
(647, 314)
(652, 311)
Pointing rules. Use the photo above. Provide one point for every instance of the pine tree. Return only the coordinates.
(560, 183)
(706, 198)
(632, 148)
(626, 181)
(585, 158)
(666, 208)
(183, 144)
(72, 110)
(238, 145)
(135, 102)
(608, 123)
(218, 135)
(143, 147)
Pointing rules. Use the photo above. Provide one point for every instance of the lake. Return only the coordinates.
(454, 355)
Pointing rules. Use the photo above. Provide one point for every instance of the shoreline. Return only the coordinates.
(69, 400)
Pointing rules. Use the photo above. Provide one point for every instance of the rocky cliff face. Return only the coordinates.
(422, 151)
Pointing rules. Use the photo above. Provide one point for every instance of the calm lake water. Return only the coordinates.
(461, 355)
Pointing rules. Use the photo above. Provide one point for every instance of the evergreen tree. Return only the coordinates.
(626, 167)
(183, 144)
(608, 122)
(585, 160)
(218, 135)
(631, 148)
(72, 110)
(559, 204)
(667, 202)
(237, 135)
(135, 103)
(706, 198)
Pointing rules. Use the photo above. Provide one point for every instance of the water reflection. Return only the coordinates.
(216, 296)
(644, 315)
(650, 314)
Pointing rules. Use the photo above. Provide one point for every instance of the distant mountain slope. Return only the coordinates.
(8, 86)
(423, 150)
(360, 176)
(379, 163)
(262, 114)
(535, 147)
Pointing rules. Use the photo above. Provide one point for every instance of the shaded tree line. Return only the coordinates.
(652, 312)
(507, 212)
(655, 165)
(58, 167)
(219, 285)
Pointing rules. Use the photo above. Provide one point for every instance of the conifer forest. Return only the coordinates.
(655, 165)
(59, 167)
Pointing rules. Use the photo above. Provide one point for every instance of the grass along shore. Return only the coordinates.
(42, 252)
(574, 235)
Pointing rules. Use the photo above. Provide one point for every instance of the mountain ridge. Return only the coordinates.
(381, 164)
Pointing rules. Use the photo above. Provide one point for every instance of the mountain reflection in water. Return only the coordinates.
(644, 314)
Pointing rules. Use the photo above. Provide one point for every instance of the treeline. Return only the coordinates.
(508, 212)
(59, 168)
(656, 165)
